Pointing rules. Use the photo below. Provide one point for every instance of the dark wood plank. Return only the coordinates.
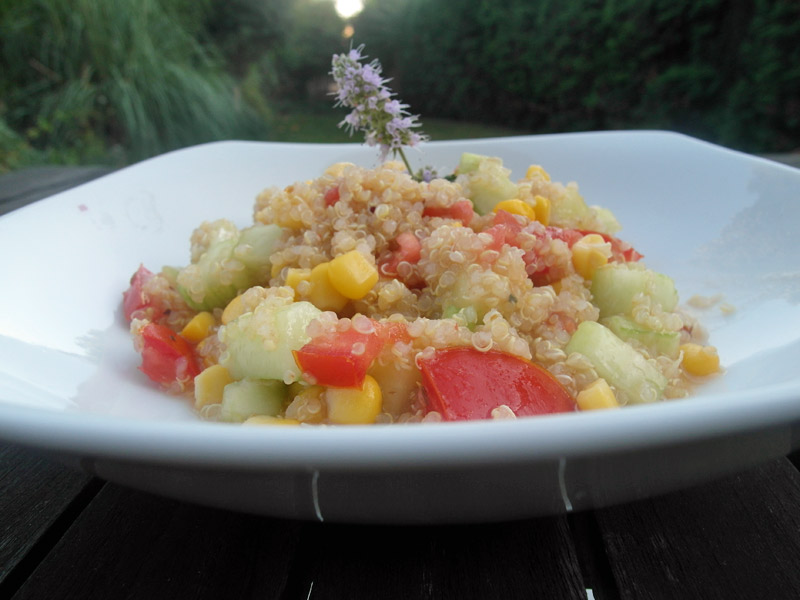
(34, 494)
(28, 185)
(736, 538)
(527, 559)
(592, 557)
(129, 544)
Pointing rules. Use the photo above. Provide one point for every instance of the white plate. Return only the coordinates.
(717, 221)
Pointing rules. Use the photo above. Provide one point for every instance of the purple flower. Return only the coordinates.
(385, 121)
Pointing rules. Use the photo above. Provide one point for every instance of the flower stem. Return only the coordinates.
(405, 160)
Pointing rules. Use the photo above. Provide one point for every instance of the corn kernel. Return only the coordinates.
(588, 253)
(516, 207)
(543, 206)
(322, 293)
(537, 171)
(295, 276)
(234, 310)
(267, 420)
(354, 406)
(597, 396)
(352, 275)
(199, 327)
(700, 360)
(208, 385)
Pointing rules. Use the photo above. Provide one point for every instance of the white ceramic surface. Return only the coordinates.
(717, 221)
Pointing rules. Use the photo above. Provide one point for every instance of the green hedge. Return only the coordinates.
(724, 71)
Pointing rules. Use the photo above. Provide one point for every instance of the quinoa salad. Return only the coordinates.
(371, 296)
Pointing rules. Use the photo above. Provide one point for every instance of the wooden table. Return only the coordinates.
(64, 534)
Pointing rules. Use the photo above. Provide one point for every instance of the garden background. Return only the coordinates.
(115, 81)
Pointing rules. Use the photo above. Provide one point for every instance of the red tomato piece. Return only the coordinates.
(136, 303)
(461, 211)
(340, 358)
(504, 230)
(332, 196)
(166, 356)
(392, 331)
(620, 251)
(407, 248)
(463, 384)
(569, 236)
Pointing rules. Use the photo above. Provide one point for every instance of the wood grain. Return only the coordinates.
(735, 538)
(34, 493)
(128, 544)
(527, 559)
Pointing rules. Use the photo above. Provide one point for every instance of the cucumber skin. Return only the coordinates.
(249, 397)
(635, 380)
(614, 286)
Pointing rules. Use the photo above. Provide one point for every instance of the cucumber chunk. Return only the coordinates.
(469, 163)
(256, 244)
(636, 381)
(569, 209)
(615, 285)
(656, 342)
(260, 344)
(211, 282)
(486, 182)
(249, 397)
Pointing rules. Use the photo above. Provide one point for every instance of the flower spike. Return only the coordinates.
(384, 120)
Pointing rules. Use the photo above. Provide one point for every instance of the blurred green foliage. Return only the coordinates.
(114, 81)
(724, 71)
(108, 81)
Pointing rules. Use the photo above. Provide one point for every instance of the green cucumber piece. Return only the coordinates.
(256, 245)
(635, 380)
(252, 247)
(656, 342)
(569, 209)
(469, 162)
(249, 397)
(251, 354)
(487, 181)
(206, 272)
(615, 285)
(607, 222)
(466, 315)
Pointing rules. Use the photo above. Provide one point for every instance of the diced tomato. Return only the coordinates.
(392, 331)
(463, 384)
(332, 196)
(504, 229)
(568, 236)
(339, 359)
(406, 248)
(135, 302)
(166, 356)
(461, 211)
(621, 251)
